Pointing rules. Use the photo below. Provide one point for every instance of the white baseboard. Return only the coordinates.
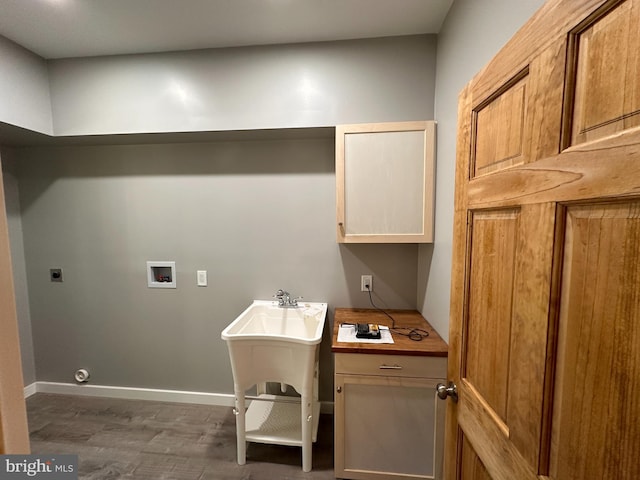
(131, 393)
(30, 390)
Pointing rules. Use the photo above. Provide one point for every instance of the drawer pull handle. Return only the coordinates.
(390, 367)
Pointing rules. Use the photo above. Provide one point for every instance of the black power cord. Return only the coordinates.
(415, 334)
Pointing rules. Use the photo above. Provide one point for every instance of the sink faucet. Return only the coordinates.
(285, 301)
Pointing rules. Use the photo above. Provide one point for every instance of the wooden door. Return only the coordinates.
(14, 437)
(545, 317)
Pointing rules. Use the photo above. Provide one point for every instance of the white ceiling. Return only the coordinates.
(78, 28)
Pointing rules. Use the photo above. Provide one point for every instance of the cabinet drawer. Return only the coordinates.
(391, 365)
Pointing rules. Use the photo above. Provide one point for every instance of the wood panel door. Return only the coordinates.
(14, 435)
(545, 310)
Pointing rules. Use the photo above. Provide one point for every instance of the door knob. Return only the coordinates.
(447, 391)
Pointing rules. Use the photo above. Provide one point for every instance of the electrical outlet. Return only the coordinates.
(366, 280)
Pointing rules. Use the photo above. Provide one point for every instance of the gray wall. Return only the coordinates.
(14, 223)
(472, 34)
(24, 88)
(257, 216)
(303, 85)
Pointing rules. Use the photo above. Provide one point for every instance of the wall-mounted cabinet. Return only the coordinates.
(385, 182)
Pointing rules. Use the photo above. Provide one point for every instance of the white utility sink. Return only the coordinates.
(266, 320)
(271, 343)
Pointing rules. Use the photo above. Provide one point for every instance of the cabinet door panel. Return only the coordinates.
(388, 428)
(384, 182)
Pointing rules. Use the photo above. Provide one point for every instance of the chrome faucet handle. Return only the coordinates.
(283, 297)
(285, 300)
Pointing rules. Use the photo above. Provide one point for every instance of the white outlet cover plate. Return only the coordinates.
(366, 280)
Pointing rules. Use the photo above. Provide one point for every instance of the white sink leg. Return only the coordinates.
(307, 429)
(240, 428)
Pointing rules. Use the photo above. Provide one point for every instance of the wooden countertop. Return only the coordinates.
(431, 346)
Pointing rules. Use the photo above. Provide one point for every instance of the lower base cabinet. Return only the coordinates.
(388, 421)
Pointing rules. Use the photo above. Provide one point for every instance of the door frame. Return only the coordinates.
(14, 434)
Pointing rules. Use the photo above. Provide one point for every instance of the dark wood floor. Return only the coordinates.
(137, 439)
